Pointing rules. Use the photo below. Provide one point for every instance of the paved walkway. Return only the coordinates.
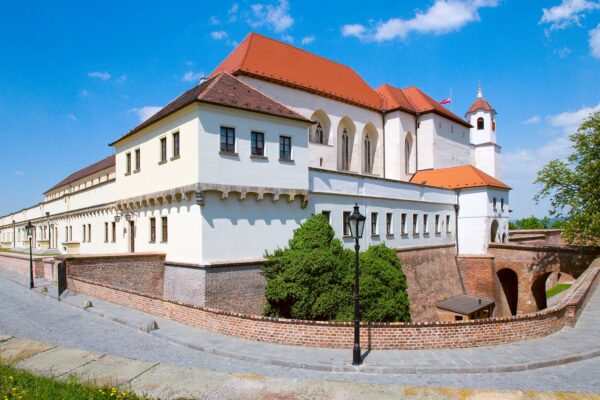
(34, 316)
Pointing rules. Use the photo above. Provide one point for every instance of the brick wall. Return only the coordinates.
(340, 334)
(478, 275)
(432, 276)
(19, 263)
(185, 283)
(239, 288)
(143, 272)
(538, 237)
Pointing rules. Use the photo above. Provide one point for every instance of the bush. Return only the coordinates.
(314, 279)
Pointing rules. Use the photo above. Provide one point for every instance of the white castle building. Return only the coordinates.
(231, 167)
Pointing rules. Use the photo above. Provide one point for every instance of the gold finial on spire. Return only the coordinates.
(479, 92)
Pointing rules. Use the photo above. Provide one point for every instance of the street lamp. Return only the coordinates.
(357, 225)
(29, 231)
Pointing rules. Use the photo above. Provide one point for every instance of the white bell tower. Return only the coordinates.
(486, 152)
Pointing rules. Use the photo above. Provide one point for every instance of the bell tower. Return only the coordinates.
(486, 152)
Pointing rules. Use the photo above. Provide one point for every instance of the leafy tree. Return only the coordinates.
(573, 187)
(558, 224)
(531, 223)
(512, 226)
(314, 279)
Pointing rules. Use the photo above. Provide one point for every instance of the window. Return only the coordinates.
(495, 205)
(368, 155)
(165, 229)
(502, 204)
(106, 232)
(493, 124)
(84, 233)
(425, 223)
(415, 221)
(163, 150)
(128, 157)
(138, 161)
(346, 223)
(114, 232)
(327, 215)
(285, 148)
(176, 145)
(374, 223)
(89, 236)
(345, 151)
(319, 137)
(407, 153)
(66, 233)
(448, 226)
(152, 230)
(257, 145)
(480, 124)
(227, 140)
(403, 227)
(388, 224)
(71, 233)
(438, 224)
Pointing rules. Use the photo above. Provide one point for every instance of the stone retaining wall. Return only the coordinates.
(19, 263)
(340, 334)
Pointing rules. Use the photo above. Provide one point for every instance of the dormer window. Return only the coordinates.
(480, 124)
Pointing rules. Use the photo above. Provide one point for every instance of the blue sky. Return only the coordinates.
(77, 75)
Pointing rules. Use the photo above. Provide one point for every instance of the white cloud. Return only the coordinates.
(19, 173)
(287, 38)
(122, 78)
(568, 121)
(442, 17)
(533, 120)
(218, 35)
(307, 40)
(276, 18)
(145, 112)
(213, 20)
(72, 117)
(232, 12)
(562, 53)
(99, 75)
(595, 42)
(192, 76)
(568, 12)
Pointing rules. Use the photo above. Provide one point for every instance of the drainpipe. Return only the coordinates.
(456, 209)
(383, 129)
(417, 142)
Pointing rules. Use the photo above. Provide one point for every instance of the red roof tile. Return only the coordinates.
(101, 165)
(269, 59)
(225, 90)
(414, 100)
(480, 104)
(466, 176)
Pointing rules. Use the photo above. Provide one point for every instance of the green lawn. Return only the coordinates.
(16, 384)
(557, 289)
(27, 253)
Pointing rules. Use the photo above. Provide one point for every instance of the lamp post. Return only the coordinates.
(29, 230)
(357, 225)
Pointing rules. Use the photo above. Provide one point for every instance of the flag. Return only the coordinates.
(446, 101)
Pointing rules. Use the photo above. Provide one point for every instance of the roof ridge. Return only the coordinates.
(214, 79)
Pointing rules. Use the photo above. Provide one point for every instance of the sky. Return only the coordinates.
(74, 76)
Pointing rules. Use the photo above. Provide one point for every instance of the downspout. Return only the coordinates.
(417, 142)
(456, 210)
(383, 129)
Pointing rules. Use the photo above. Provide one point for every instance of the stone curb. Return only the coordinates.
(349, 368)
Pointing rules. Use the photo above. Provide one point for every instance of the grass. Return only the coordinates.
(557, 289)
(26, 252)
(16, 384)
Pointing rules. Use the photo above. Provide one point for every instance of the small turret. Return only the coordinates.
(482, 116)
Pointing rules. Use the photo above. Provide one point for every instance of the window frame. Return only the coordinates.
(404, 223)
(389, 224)
(114, 232)
(163, 151)
(254, 148)
(227, 147)
(480, 124)
(374, 223)
(346, 223)
(327, 215)
(138, 160)
(106, 232)
(164, 231)
(425, 224)
(415, 224)
(152, 229)
(176, 138)
(438, 224)
(128, 163)
(448, 224)
(282, 148)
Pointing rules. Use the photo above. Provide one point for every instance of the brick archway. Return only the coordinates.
(538, 290)
(509, 284)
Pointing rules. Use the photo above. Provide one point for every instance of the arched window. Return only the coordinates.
(368, 156)
(407, 153)
(345, 150)
(480, 123)
(319, 134)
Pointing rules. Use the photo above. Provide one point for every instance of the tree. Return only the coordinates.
(531, 223)
(314, 277)
(573, 187)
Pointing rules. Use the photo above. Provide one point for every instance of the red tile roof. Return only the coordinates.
(271, 60)
(225, 90)
(466, 176)
(414, 100)
(101, 165)
(480, 104)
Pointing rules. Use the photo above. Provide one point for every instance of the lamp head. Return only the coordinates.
(357, 223)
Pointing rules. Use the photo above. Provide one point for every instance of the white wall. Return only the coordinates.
(451, 147)
(397, 125)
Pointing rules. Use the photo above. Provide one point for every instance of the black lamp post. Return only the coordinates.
(357, 225)
(29, 231)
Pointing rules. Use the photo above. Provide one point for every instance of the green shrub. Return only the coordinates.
(314, 279)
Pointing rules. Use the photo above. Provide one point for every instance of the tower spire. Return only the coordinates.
(479, 92)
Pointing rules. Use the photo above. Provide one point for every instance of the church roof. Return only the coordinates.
(466, 176)
(414, 100)
(269, 59)
(101, 165)
(225, 90)
(480, 104)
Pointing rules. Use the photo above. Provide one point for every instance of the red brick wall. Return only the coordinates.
(340, 334)
(432, 276)
(19, 263)
(142, 272)
(477, 273)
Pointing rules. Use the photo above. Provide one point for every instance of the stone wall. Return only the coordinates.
(340, 334)
(432, 276)
(239, 288)
(143, 272)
